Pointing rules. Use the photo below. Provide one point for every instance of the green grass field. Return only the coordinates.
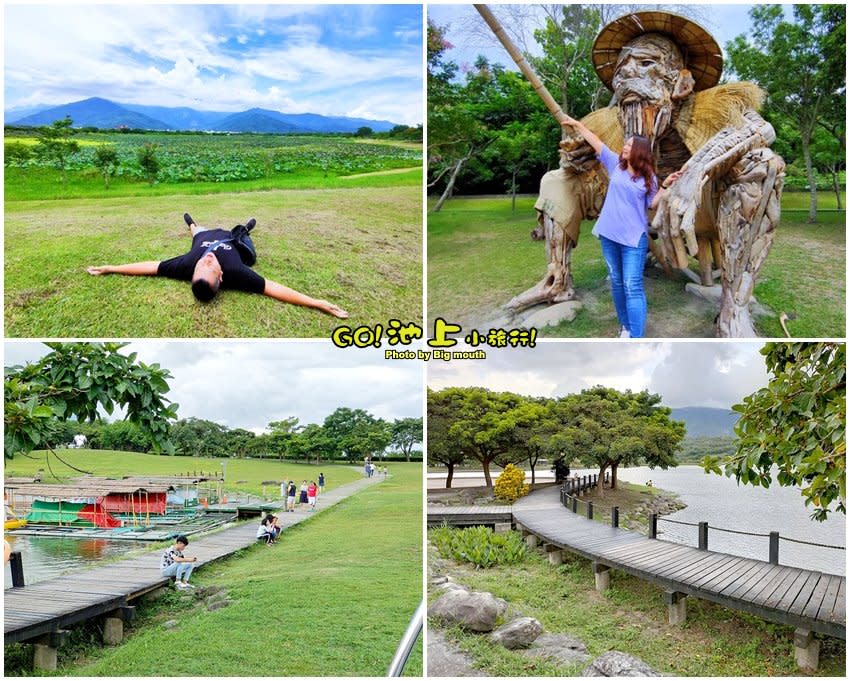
(630, 617)
(804, 275)
(332, 598)
(243, 475)
(359, 247)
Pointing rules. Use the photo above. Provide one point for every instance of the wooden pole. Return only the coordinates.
(521, 62)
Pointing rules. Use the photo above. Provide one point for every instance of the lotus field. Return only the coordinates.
(219, 157)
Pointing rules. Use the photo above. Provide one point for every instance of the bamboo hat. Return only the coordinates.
(700, 51)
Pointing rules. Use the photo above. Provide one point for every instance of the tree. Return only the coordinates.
(312, 442)
(442, 448)
(795, 62)
(199, 437)
(282, 435)
(356, 434)
(612, 428)
(106, 161)
(75, 381)
(364, 131)
(406, 433)
(795, 426)
(55, 145)
(124, 436)
(149, 162)
(536, 432)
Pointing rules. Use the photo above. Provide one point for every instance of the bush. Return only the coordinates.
(478, 545)
(510, 485)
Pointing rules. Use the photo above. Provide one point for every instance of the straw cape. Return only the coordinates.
(702, 55)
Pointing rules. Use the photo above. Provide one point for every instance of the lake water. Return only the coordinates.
(48, 557)
(724, 504)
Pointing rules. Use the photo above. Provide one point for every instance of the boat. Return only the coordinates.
(12, 522)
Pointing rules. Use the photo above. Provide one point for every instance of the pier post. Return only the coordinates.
(113, 624)
(16, 565)
(45, 649)
(602, 576)
(653, 525)
(677, 609)
(806, 650)
(703, 536)
(555, 555)
(501, 528)
(530, 539)
(774, 548)
(590, 510)
(575, 505)
(615, 516)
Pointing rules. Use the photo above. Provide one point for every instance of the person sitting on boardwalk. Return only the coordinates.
(214, 262)
(312, 492)
(265, 532)
(175, 564)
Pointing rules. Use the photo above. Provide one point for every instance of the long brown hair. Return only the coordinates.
(641, 160)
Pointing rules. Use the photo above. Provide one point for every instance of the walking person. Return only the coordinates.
(321, 483)
(622, 227)
(290, 499)
(303, 498)
(312, 493)
(174, 564)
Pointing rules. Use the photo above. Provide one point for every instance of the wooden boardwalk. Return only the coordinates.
(460, 516)
(51, 606)
(806, 599)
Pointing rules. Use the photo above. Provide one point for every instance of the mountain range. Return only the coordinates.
(706, 421)
(105, 114)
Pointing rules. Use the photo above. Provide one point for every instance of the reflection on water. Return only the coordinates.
(48, 557)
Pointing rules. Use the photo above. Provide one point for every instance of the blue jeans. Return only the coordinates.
(625, 267)
(180, 571)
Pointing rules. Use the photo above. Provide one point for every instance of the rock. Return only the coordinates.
(553, 314)
(518, 633)
(475, 610)
(170, 624)
(446, 660)
(713, 293)
(218, 605)
(204, 591)
(615, 663)
(439, 579)
(216, 597)
(562, 648)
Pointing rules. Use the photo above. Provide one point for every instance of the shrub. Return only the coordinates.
(478, 545)
(510, 485)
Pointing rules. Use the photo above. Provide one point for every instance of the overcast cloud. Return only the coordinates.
(348, 60)
(689, 374)
(248, 384)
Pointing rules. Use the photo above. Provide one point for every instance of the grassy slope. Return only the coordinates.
(110, 463)
(630, 617)
(803, 276)
(359, 247)
(333, 598)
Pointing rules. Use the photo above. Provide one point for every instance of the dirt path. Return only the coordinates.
(394, 171)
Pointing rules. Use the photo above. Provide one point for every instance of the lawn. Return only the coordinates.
(480, 256)
(629, 617)
(242, 475)
(358, 246)
(332, 598)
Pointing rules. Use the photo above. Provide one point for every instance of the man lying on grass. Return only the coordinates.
(214, 262)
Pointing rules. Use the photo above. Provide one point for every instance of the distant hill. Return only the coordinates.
(706, 421)
(95, 112)
(102, 113)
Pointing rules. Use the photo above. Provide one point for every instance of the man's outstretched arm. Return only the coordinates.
(288, 295)
(134, 268)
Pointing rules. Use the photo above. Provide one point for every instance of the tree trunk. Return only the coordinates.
(451, 475)
(614, 475)
(805, 137)
(488, 482)
(835, 186)
(450, 185)
(601, 481)
(513, 192)
(531, 465)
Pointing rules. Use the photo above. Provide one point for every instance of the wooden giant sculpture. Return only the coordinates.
(663, 70)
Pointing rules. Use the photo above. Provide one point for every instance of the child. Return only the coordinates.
(312, 492)
(175, 564)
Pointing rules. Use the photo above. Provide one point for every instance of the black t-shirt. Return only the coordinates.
(235, 274)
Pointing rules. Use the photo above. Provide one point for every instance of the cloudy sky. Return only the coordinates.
(247, 384)
(724, 22)
(353, 60)
(690, 374)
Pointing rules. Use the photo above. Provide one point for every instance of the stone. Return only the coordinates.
(218, 605)
(216, 597)
(561, 648)
(113, 631)
(445, 660)
(44, 657)
(615, 663)
(439, 579)
(551, 315)
(806, 651)
(170, 624)
(518, 633)
(472, 610)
